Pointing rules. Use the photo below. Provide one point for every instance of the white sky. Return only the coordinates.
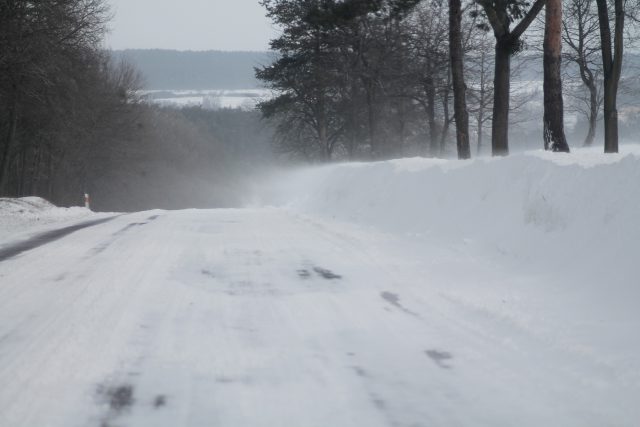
(189, 25)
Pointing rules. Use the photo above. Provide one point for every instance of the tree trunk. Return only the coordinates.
(50, 175)
(481, 105)
(593, 115)
(372, 122)
(431, 113)
(589, 80)
(501, 87)
(612, 69)
(322, 130)
(507, 41)
(9, 140)
(554, 137)
(459, 87)
(610, 118)
(22, 174)
(444, 133)
(479, 139)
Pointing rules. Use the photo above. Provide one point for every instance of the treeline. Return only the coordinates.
(365, 79)
(60, 96)
(177, 158)
(71, 122)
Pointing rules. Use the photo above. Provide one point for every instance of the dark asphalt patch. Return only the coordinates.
(46, 237)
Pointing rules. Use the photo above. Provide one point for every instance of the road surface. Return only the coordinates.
(268, 318)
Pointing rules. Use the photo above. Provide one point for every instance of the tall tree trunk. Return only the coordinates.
(507, 41)
(431, 117)
(321, 117)
(22, 173)
(479, 138)
(481, 104)
(612, 69)
(371, 114)
(402, 131)
(457, 73)
(35, 171)
(50, 176)
(593, 115)
(610, 118)
(446, 122)
(554, 137)
(501, 88)
(10, 137)
(589, 80)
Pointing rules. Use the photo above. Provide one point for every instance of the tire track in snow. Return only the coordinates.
(47, 237)
(104, 246)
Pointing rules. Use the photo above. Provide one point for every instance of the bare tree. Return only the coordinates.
(554, 137)
(580, 34)
(612, 56)
(36, 40)
(480, 91)
(500, 15)
(457, 73)
(430, 67)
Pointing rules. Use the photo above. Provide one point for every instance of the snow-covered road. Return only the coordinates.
(263, 317)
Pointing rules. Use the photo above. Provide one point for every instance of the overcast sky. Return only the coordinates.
(189, 25)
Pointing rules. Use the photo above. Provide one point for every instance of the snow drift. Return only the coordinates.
(30, 213)
(589, 198)
(567, 217)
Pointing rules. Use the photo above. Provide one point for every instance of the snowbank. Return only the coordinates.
(31, 214)
(575, 214)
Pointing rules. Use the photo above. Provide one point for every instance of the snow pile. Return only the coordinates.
(573, 214)
(29, 214)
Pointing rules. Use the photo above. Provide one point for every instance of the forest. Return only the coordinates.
(72, 121)
(381, 79)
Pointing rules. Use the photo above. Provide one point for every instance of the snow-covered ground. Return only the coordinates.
(29, 215)
(245, 99)
(493, 292)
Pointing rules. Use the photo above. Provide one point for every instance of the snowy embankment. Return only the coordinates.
(558, 236)
(559, 210)
(33, 214)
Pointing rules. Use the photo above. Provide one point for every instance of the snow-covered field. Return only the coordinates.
(493, 292)
(245, 99)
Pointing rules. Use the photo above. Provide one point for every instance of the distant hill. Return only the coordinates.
(172, 69)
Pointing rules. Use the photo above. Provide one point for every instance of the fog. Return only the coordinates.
(186, 158)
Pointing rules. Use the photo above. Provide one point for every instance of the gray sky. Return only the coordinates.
(189, 25)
